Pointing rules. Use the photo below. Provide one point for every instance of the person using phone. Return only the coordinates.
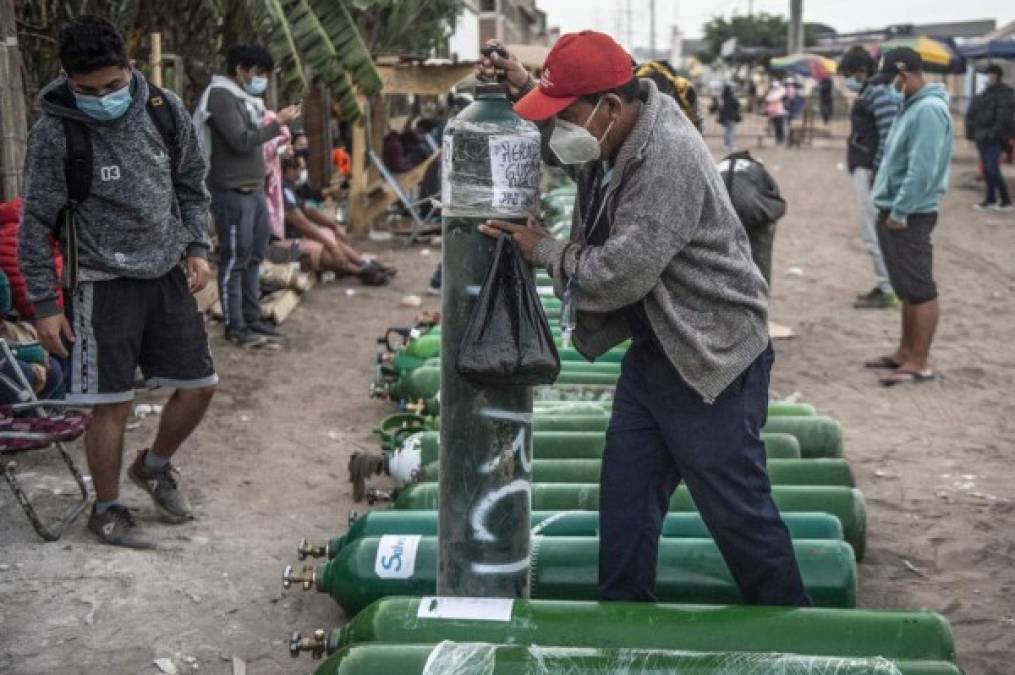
(228, 118)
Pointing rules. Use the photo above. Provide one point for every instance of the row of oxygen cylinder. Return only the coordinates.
(383, 570)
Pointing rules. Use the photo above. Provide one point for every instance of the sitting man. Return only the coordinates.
(319, 239)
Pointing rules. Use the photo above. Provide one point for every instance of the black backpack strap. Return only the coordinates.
(77, 166)
(164, 119)
(77, 169)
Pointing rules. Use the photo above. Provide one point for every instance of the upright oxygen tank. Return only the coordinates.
(490, 168)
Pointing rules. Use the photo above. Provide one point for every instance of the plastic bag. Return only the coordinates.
(753, 191)
(507, 340)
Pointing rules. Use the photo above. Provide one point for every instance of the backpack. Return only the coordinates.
(680, 88)
(78, 167)
(752, 190)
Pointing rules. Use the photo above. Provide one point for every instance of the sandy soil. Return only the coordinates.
(269, 464)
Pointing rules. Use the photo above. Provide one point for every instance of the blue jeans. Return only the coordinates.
(990, 155)
(728, 131)
(662, 432)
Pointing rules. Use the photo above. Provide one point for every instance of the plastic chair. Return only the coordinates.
(30, 425)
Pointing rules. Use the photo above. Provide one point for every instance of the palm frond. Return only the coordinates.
(271, 24)
(348, 43)
(318, 52)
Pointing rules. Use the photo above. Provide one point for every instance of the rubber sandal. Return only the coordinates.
(906, 377)
(882, 362)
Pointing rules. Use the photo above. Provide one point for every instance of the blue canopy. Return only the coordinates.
(995, 49)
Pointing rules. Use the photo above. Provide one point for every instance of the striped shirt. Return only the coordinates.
(885, 110)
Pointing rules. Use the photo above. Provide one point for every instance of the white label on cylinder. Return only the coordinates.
(396, 556)
(514, 172)
(478, 609)
(404, 464)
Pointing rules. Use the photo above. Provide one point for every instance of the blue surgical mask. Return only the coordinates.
(257, 85)
(853, 84)
(105, 108)
(894, 95)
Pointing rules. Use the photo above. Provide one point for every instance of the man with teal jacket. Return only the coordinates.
(912, 177)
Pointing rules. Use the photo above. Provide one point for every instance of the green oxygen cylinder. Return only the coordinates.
(896, 635)
(827, 471)
(567, 568)
(819, 436)
(846, 504)
(471, 658)
(566, 445)
(428, 347)
(424, 382)
(551, 524)
(786, 409)
(490, 169)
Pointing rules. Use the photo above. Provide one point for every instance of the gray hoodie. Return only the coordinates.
(676, 246)
(137, 222)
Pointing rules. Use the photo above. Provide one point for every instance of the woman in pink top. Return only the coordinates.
(776, 110)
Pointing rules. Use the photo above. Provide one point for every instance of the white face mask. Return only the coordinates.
(573, 144)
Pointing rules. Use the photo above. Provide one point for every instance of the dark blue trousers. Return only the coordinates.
(990, 155)
(662, 432)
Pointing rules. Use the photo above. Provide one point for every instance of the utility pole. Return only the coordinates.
(652, 28)
(795, 42)
(13, 118)
(627, 19)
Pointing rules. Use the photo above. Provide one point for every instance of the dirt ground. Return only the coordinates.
(269, 464)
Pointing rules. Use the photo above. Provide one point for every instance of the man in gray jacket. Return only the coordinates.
(658, 255)
(135, 248)
(230, 113)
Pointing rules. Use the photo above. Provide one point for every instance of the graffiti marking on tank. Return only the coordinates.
(485, 504)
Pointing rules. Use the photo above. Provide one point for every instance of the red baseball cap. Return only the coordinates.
(579, 63)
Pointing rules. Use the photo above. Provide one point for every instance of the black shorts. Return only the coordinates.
(121, 324)
(909, 258)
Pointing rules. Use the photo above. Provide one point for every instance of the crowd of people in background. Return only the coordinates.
(234, 179)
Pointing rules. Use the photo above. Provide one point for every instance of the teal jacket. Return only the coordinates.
(918, 153)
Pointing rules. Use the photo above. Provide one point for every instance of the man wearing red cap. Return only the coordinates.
(658, 255)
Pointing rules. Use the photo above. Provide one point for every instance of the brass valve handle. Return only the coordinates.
(315, 644)
(305, 576)
(305, 549)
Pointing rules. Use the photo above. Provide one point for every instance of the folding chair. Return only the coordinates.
(30, 425)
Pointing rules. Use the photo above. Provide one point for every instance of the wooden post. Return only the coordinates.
(156, 59)
(378, 112)
(13, 117)
(357, 221)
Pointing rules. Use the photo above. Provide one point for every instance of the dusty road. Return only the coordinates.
(269, 464)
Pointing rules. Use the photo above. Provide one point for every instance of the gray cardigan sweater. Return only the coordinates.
(675, 244)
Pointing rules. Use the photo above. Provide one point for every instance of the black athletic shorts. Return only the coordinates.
(121, 324)
(909, 258)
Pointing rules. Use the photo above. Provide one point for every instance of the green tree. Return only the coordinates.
(770, 31)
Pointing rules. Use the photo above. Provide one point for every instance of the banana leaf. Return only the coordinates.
(348, 43)
(270, 21)
(318, 52)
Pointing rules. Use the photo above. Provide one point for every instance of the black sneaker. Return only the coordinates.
(984, 206)
(876, 299)
(115, 526)
(246, 338)
(265, 329)
(1005, 207)
(371, 275)
(162, 486)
